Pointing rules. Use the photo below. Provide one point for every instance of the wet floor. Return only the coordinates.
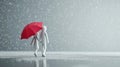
(44, 62)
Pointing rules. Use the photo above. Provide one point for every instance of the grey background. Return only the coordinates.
(73, 25)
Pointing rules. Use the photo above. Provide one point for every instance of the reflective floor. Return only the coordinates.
(44, 62)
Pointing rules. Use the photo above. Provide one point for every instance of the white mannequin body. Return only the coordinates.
(43, 40)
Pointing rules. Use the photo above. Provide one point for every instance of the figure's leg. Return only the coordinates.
(37, 48)
(44, 48)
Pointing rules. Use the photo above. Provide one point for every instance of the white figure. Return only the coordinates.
(35, 42)
(44, 40)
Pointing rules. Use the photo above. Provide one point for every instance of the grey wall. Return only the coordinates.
(73, 25)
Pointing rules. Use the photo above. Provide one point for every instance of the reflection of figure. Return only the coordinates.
(35, 42)
(44, 40)
(44, 62)
(37, 63)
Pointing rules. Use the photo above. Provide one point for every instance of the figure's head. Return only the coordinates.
(44, 28)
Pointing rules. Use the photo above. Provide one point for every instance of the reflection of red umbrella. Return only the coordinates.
(31, 29)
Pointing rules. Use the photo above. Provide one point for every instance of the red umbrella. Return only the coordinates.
(31, 29)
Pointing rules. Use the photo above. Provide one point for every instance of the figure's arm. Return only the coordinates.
(32, 41)
(46, 35)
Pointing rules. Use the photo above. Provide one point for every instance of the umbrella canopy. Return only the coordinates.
(31, 29)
